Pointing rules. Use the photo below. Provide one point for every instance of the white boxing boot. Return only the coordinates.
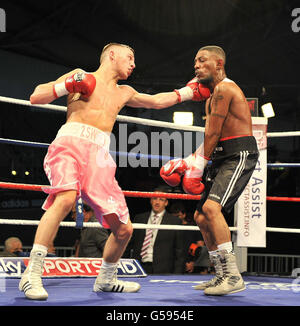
(107, 281)
(215, 260)
(31, 280)
(231, 281)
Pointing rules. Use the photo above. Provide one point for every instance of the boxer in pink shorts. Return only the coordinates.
(87, 167)
(78, 162)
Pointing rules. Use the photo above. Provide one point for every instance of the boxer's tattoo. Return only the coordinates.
(216, 99)
(218, 115)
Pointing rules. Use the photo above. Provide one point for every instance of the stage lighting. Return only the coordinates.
(183, 118)
(267, 110)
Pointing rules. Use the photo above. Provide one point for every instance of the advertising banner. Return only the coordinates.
(250, 209)
(69, 267)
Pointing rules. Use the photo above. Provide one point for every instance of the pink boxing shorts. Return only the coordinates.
(78, 159)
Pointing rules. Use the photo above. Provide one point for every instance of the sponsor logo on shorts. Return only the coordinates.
(111, 200)
(214, 196)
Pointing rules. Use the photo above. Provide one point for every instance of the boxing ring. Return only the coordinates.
(159, 291)
(156, 290)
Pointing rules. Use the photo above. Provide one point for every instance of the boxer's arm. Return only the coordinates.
(157, 101)
(43, 93)
(219, 110)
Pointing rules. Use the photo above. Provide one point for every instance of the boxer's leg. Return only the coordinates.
(209, 240)
(31, 281)
(114, 248)
(51, 219)
(231, 280)
(117, 240)
(211, 245)
(215, 221)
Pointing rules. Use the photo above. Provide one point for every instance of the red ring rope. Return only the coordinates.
(295, 199)
(138, 194)
(127, 193)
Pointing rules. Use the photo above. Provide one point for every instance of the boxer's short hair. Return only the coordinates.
(215, 49)
(107, 46)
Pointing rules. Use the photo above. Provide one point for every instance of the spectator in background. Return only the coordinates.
(159, 251)
(92, 240)
(196, 254)
(178, 209)
(12, 248)
(198, 258)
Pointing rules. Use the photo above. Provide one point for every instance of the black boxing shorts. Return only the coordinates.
(233, 163)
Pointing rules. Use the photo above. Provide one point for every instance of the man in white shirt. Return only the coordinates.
(159, 251)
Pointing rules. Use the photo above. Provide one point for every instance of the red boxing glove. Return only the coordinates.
(80, 82)
(192, 180)
(172, 171)
(193, 91)
(192, 186)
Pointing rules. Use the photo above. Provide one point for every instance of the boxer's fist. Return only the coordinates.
(172, 171)
(80, 82)
(203, 93)
(192, 180)
(193, 91)
(192, 184)
(200, 92)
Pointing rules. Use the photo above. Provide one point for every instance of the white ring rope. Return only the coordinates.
(283, 134)
(138, 226)
(147, 122)
(96, 225)
(120, 118)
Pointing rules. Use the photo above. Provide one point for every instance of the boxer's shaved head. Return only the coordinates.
(110, 46)
(216, 50)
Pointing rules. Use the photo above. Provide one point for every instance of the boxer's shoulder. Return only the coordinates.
(127, 91)
(227, 87)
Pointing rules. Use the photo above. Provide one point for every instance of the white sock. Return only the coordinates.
(106, 265)
(227, 246)
(213, 253)
(40, 248)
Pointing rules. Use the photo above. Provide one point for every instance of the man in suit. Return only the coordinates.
(92, 241)
(159, 251)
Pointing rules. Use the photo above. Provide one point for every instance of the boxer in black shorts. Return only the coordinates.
(233, 163)
(230, 145)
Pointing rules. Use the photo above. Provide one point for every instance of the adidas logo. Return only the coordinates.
(26, 286)
(117, 288)
(232, 280)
